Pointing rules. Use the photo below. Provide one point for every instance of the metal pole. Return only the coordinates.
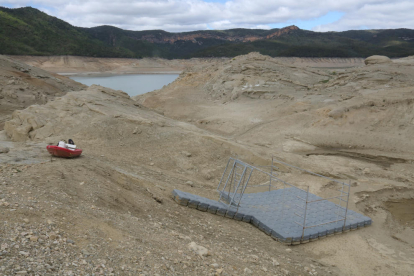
(245, 186)
(304, 217)
(232, 179)
(340, 202)
(242, 181)
(283, 200)
(232, 169)
(236, 188)
(228, 162)
(247, 183)
(271, 174)
(347, 200)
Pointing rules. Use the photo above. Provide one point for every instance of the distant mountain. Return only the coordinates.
(28, 31)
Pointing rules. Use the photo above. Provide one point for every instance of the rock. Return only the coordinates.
(219, 271)
(254, 258)
(247, 271)
(214, 265)
(4, 150)
(26, 220)
(296, 146)
(85, 252)
(137, 131)
(23, 272)
(207, 175)
(53, 236)
(286, 272)
(337, 113)
(275, 262)
(24, 253)
(377, 60)
(70, 241)
(157, 199)
(366, 171)
(186, 153)
(288, 250)
(34, 238)
(198, 249)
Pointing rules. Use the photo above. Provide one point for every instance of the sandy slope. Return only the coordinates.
(352, 123)
(111, 211)
(22, 85)
(115, 201)
(79, 65)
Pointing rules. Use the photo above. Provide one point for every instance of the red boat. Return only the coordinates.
(62, 152)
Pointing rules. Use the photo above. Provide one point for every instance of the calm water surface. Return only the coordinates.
(131, 84)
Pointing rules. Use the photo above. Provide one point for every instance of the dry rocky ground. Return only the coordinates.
(110, 212)
(22, 85)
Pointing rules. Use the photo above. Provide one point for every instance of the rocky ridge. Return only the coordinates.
(22, 85)
(193, 36)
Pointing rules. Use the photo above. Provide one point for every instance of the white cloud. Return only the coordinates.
(375, 16)
(188, 15)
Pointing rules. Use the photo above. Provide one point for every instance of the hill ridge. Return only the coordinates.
(28, 31)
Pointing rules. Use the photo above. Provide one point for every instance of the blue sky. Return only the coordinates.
(189, 15)
(330, 17)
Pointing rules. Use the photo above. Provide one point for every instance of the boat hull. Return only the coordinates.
(62, 152)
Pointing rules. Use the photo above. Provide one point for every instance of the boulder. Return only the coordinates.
(4, 149)
(337, 113)
(198, 249)
(377, 60)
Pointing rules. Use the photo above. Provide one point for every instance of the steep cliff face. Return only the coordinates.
(283, 31)
(160, 38)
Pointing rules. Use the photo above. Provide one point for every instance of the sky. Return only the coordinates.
(191, 15)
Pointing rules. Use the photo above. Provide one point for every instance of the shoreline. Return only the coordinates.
(109, 74)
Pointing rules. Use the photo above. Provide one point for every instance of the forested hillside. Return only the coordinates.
(28, 31)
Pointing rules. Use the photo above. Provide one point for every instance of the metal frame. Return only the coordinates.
(234, 187)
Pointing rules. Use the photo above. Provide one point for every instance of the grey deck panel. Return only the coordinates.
(279, 213)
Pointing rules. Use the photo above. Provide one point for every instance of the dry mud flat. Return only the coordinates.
(110, 211)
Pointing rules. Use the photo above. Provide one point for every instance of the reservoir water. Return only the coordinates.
(131, 84)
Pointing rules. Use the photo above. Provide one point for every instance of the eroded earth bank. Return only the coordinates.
(110, 212)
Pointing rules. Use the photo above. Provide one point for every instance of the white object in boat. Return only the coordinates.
(71, 147)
